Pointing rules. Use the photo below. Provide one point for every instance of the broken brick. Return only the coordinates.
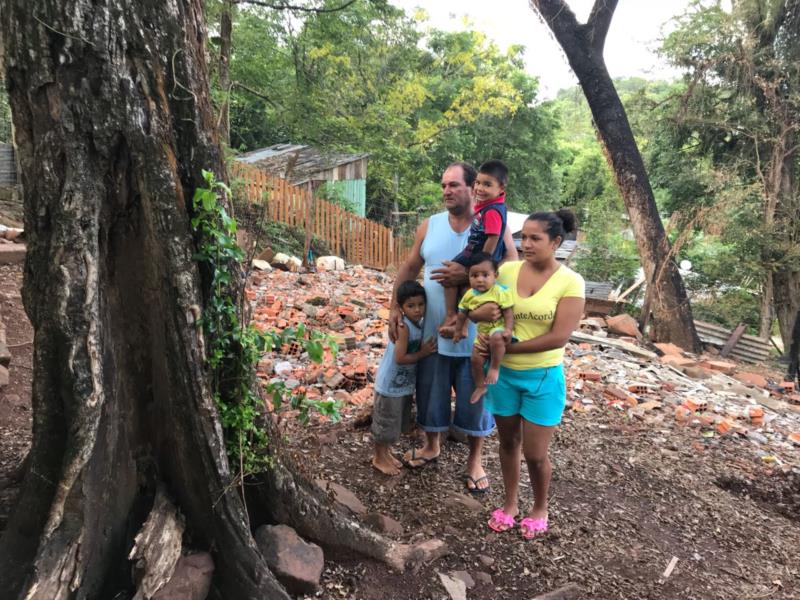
(724, 426)
(751, 378)
(623, 325)
(590, 375)
(719, 365)
(615, 395)
(669, 349)
(695, 405)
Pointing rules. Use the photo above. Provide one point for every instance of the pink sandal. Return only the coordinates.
(532, 528)
(501, 521)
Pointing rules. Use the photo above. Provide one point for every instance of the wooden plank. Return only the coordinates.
(578, 336)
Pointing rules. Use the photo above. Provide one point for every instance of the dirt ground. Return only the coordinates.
(627, 499)
(15, 399)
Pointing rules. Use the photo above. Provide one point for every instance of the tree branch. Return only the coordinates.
(558, 16)
(241, 86)
(599, 22)
(555, 12)
(286, 6)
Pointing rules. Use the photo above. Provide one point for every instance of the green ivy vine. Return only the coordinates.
(233, 348)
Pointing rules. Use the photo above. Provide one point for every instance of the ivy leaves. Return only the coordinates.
(234, 348)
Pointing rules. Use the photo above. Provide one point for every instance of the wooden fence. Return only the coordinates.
(357, 240)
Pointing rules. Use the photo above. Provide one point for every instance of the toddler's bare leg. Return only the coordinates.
(476, 361)
(498, 347)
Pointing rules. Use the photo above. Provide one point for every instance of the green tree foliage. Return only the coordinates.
(371, 79)
(5, 115)
(727, 140)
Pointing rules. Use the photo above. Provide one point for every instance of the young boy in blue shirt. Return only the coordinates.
(396, 380)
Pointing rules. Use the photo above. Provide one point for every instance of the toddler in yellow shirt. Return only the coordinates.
(483, 289)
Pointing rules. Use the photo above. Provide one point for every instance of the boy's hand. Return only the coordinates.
(395, 322)
(458, 335)
(428, 346)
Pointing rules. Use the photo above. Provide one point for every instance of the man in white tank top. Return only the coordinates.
(439, 239)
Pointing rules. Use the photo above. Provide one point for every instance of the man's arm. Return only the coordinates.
(407, 272)
(511, 249)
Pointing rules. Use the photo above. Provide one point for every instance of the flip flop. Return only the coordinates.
(475, 490)
(532, 528)
(501, 521)
(414, 457)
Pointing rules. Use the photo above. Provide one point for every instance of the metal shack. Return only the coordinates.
(10, 196)
(345, 175)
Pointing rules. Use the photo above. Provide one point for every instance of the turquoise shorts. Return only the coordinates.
(538, 395)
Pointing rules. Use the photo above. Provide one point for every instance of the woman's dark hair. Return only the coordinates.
(409, 289)
(557, 224)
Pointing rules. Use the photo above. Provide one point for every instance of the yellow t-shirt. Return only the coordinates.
(534, 315)
(498, 294)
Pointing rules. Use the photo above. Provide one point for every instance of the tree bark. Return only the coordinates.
(583, 45)
(793, 372)
(765, 319)
(782, 218)
(113, 127)
(225, 49)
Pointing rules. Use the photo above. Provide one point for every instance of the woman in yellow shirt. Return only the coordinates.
(528, 400)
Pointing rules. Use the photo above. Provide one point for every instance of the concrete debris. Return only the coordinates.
(330, 263)
(713, 396)
(665, 388)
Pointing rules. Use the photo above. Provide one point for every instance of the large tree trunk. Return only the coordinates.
(782, 216)
(583, 45)
(113, 126)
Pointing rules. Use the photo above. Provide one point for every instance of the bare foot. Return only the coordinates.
(477, 394)
(491, 375)
(387, 467)
(395, 461)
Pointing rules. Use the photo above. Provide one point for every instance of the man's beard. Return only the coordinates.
(459, 209)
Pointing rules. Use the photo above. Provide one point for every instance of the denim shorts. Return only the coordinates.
(538, 395)
(437, 376)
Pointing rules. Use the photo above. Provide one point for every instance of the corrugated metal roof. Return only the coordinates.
(8, 165)
(749, 348)
(301, 162)
(599, 290)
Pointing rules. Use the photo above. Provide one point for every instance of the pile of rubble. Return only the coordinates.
(718, 398)
(350, 305)
(608, 365)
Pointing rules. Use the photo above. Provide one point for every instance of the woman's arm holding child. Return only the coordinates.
(508, 317)
(568, 315)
